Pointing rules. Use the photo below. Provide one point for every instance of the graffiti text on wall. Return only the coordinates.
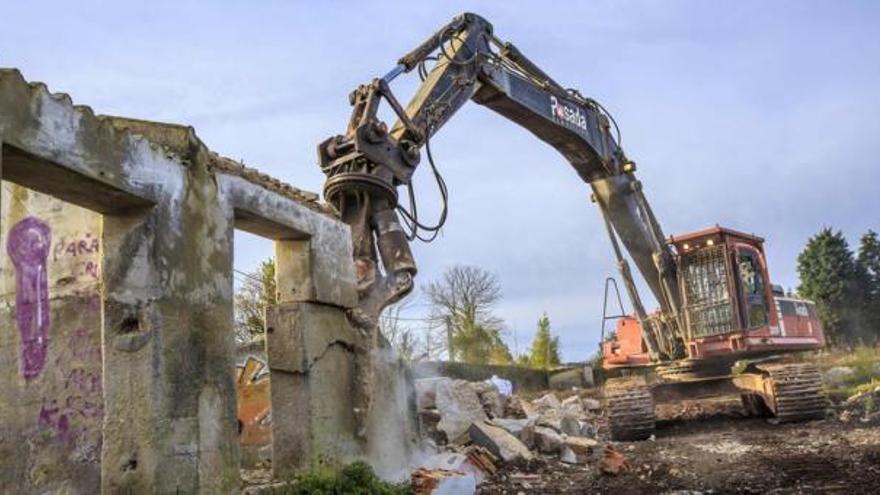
(82, 250)
(74, 414)
(28, 248)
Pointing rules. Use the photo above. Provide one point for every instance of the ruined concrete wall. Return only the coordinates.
(51, 410)
(168, 207)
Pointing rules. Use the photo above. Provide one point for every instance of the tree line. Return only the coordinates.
(845, 285)
(462, 324)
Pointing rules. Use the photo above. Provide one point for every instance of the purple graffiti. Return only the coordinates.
(52, 419)
(28, 247)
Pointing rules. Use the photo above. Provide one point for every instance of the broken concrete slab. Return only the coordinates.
(547, 440)
(459, 407)
(499, 442)
(490, 397)
(523, 429)
(547, 402)
(570, 425)
(574, 407)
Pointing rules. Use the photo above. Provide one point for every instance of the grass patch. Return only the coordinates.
(357, 478)
(863, 361)
(864, 387)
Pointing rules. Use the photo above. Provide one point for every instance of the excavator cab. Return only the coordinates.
(728, 299)
(729, 305)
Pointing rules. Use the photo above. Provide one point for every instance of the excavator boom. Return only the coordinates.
(365, 166)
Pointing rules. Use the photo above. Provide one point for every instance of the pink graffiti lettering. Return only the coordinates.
(77, 247)
(91, 269)
(28, 248)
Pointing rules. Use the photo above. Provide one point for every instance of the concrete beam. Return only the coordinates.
(314, 252)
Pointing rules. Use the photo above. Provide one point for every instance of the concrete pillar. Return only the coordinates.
(170, 415)
(310, 349)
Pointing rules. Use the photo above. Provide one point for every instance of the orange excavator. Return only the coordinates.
(716, 303)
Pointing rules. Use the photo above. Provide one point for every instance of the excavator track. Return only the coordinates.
(797, 392)
(687, 370)
(630, 409)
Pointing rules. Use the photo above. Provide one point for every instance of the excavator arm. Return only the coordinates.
(366, 165)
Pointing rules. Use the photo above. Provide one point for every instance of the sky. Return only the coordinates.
(759, 116)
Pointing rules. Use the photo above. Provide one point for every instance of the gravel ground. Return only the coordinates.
(711, 448)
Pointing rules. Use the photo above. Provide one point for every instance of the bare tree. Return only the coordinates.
(398, 331)
(463, 301)
(256, 293)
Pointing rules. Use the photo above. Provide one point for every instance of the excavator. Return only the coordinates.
(717, 307)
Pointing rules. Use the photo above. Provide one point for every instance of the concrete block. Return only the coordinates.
(523, 429)
(499, 442)
(547, 440)
(303, 275)
(298, 333)
(459, 406)
(310, 350)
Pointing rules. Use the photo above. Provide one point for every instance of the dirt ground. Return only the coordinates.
(711, 448)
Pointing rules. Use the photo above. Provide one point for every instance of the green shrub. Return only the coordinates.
(357, 478)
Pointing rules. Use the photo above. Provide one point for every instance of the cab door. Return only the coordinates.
(752, 283)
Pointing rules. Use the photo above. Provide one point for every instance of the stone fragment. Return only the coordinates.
(588, 430)
(570, 425)
(499, 442)
(530, 411)
(547, 402)
(546, 411)
(490, 398)
(459, 407)
(574, 407)
(578, 450)
(547, 441)
(523, 429)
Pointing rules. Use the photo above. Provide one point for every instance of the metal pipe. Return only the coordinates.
(393, 73)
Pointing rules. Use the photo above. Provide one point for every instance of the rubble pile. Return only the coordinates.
(479, 430)
(863, 407)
